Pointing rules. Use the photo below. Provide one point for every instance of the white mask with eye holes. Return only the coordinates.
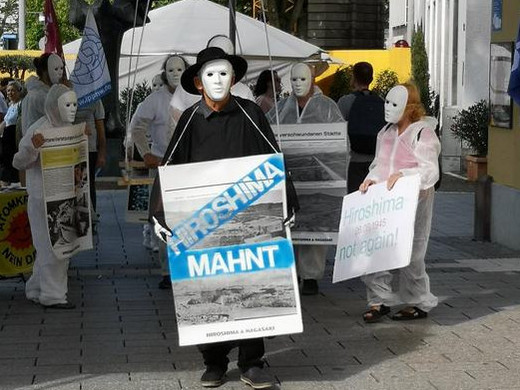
(174, 68)
(395, 103)
(55, 68)
(216, 77)
(157, 82)
(68, 105)
(301, 80)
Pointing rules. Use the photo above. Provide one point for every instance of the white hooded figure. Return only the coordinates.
(151, 117)
(151, 131)
(181, 99)
(307, 104)
(49, 69)
(48, 283)
(408, 146)
(157, 82)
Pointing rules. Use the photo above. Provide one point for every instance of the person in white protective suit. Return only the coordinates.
(157, 82)
(151, 122)
(50, 71)
(48, 283)
(407, 146)
(307, 104)
(181, 99)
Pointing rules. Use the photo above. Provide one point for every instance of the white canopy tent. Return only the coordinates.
(184, 27)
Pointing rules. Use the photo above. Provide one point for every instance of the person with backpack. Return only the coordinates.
(364, 112)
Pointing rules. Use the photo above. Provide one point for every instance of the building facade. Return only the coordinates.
(504, 131)
(457, 42)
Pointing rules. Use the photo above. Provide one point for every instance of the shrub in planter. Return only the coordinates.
(471, 126)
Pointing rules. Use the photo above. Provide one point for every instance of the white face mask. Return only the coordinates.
(395, 103)
(55, 68)
(157, 82)
(216, 77)
(174, 68)
(223, 42)
(301, 80)
(68, 105)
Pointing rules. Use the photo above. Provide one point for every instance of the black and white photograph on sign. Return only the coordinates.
(322, 209)
(138, 197)
(262, 221)
(501, 104)
(319, 163)
(80, 176)
(66, 221)
(235, 297)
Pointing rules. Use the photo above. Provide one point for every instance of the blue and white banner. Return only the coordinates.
(230, 254)
(514, 80)
(90, 77)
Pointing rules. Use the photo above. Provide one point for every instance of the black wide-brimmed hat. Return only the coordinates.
(211, 54)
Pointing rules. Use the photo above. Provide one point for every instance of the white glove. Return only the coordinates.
(160, 231)
(290, 221)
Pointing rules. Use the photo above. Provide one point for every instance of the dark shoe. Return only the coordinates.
(376, 313)
(409, 313)
(165, 283)
(62, 306)
(310, 287)
(213, 377)
(257, 378)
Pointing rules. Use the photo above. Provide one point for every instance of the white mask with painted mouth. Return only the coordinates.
(55, 68)
(68, 105)
(301, 80)
(157, 82)
(174, 68)
(395, 103)
(216, 77)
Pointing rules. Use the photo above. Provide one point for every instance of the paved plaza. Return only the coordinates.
(122, 335)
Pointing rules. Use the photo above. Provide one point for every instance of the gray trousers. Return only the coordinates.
(414, 284)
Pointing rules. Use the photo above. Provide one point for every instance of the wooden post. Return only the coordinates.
(482, 223)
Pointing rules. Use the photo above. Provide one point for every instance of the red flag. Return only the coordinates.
(52, 31)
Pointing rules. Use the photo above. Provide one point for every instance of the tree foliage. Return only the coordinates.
(420, 72)
(341, 83)
(471, 126)
(35, 29)
(385, 81)
(8, 16)
(141, 91)
(16, 65)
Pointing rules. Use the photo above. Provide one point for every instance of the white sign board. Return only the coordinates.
(376, 229)
(317, 155)
(230, 254)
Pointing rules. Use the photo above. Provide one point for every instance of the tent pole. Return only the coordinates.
(232, 25)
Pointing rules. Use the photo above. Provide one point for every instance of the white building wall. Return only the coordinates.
(457, 39)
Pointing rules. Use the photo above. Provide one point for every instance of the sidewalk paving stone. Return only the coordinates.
(123, 335)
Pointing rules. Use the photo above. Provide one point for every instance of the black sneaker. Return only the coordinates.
(61, 306)
(257, 378)
(165, 283)
(213, 377)
(310, 287)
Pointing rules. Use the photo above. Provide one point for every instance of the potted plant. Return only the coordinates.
(471, 127)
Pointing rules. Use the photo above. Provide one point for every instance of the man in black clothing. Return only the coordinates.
(222, 126)
(364, 112)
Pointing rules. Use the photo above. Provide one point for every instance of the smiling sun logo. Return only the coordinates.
(19, 235)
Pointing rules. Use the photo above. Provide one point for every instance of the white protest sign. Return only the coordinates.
(376, 229)
(230, 254)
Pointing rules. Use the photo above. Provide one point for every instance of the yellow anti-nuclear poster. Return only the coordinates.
(17, 253)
